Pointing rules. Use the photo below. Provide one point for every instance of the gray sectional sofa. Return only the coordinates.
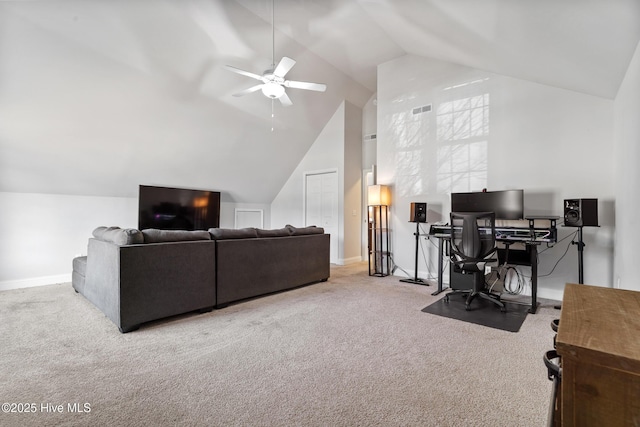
(136, 276)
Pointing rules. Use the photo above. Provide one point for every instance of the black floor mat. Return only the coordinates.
(482, 312)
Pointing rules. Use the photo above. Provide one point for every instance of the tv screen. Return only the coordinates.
(167, 208)
(507, 204)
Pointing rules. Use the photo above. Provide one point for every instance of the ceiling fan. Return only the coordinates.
(273, 81)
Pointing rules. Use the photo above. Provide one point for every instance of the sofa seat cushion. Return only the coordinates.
(80, 265)
(79, 273)
(232, 233)
(119, 236)
(152, 235)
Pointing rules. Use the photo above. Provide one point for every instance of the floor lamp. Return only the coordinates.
(378, 200)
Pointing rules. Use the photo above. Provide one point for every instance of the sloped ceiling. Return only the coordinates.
(98, 96)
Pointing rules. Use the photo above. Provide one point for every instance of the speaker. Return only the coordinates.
(418, 212)
(581, 212)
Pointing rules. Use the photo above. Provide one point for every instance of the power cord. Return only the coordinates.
(395, 267)
(503, 271)
(559, 259)
(520, 281)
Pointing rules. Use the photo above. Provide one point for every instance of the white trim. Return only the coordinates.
(352, 260)
(235, 220)
(35, 281)
(553, 294)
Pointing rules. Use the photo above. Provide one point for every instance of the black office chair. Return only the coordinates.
(473, 241)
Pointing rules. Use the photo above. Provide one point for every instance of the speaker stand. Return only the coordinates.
(416, 280)
(581, 245)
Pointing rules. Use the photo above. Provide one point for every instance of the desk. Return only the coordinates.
(531, 236)
(599, 346)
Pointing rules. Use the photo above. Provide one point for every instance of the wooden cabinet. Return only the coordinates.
(599, 346)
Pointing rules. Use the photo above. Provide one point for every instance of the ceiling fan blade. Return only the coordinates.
(244, 73)
(285, 100)
(318, 87)
(250, 90)
(284, 66)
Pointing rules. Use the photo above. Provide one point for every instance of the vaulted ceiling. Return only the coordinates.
(98, 96)
(581, 45)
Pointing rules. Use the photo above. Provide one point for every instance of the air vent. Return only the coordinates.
(370, 137)
(423, 109)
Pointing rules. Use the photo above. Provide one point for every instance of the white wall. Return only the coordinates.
(553, 143)
(352, 183)
(369, 154)
(369, 127)
(338, 147)
(326, 153)
(627, 177)
(42, 233)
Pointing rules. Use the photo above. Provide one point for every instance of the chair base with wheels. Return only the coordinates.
(473, 285)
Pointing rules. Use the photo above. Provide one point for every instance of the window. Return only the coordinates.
(462, 139)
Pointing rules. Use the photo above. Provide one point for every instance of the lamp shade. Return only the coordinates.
(378, 195)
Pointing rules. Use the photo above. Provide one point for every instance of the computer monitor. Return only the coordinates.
(507, 204)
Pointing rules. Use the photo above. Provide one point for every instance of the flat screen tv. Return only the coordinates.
(168, 208)
(507, 204)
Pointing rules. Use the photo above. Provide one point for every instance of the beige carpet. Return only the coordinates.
(354, 351)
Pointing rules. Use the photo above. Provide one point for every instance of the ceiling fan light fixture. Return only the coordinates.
(273, 80)
(272, 90)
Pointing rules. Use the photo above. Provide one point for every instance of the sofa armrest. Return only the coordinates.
(102, 280)
(134, 284)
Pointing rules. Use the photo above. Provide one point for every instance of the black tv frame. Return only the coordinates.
(170, 208)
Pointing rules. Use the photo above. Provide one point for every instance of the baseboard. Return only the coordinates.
(347, 261)
(35, 281)
(546, 293)
(553, 294)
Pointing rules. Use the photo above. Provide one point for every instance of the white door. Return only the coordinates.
(249, 218)
(321, 206)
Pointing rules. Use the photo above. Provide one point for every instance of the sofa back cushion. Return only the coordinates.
(232, 233)
(152, 235)
(280, 232)
(312, 229)
(119, 236)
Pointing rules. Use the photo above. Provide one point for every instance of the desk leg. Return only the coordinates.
(534, 279)
(440, 265)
